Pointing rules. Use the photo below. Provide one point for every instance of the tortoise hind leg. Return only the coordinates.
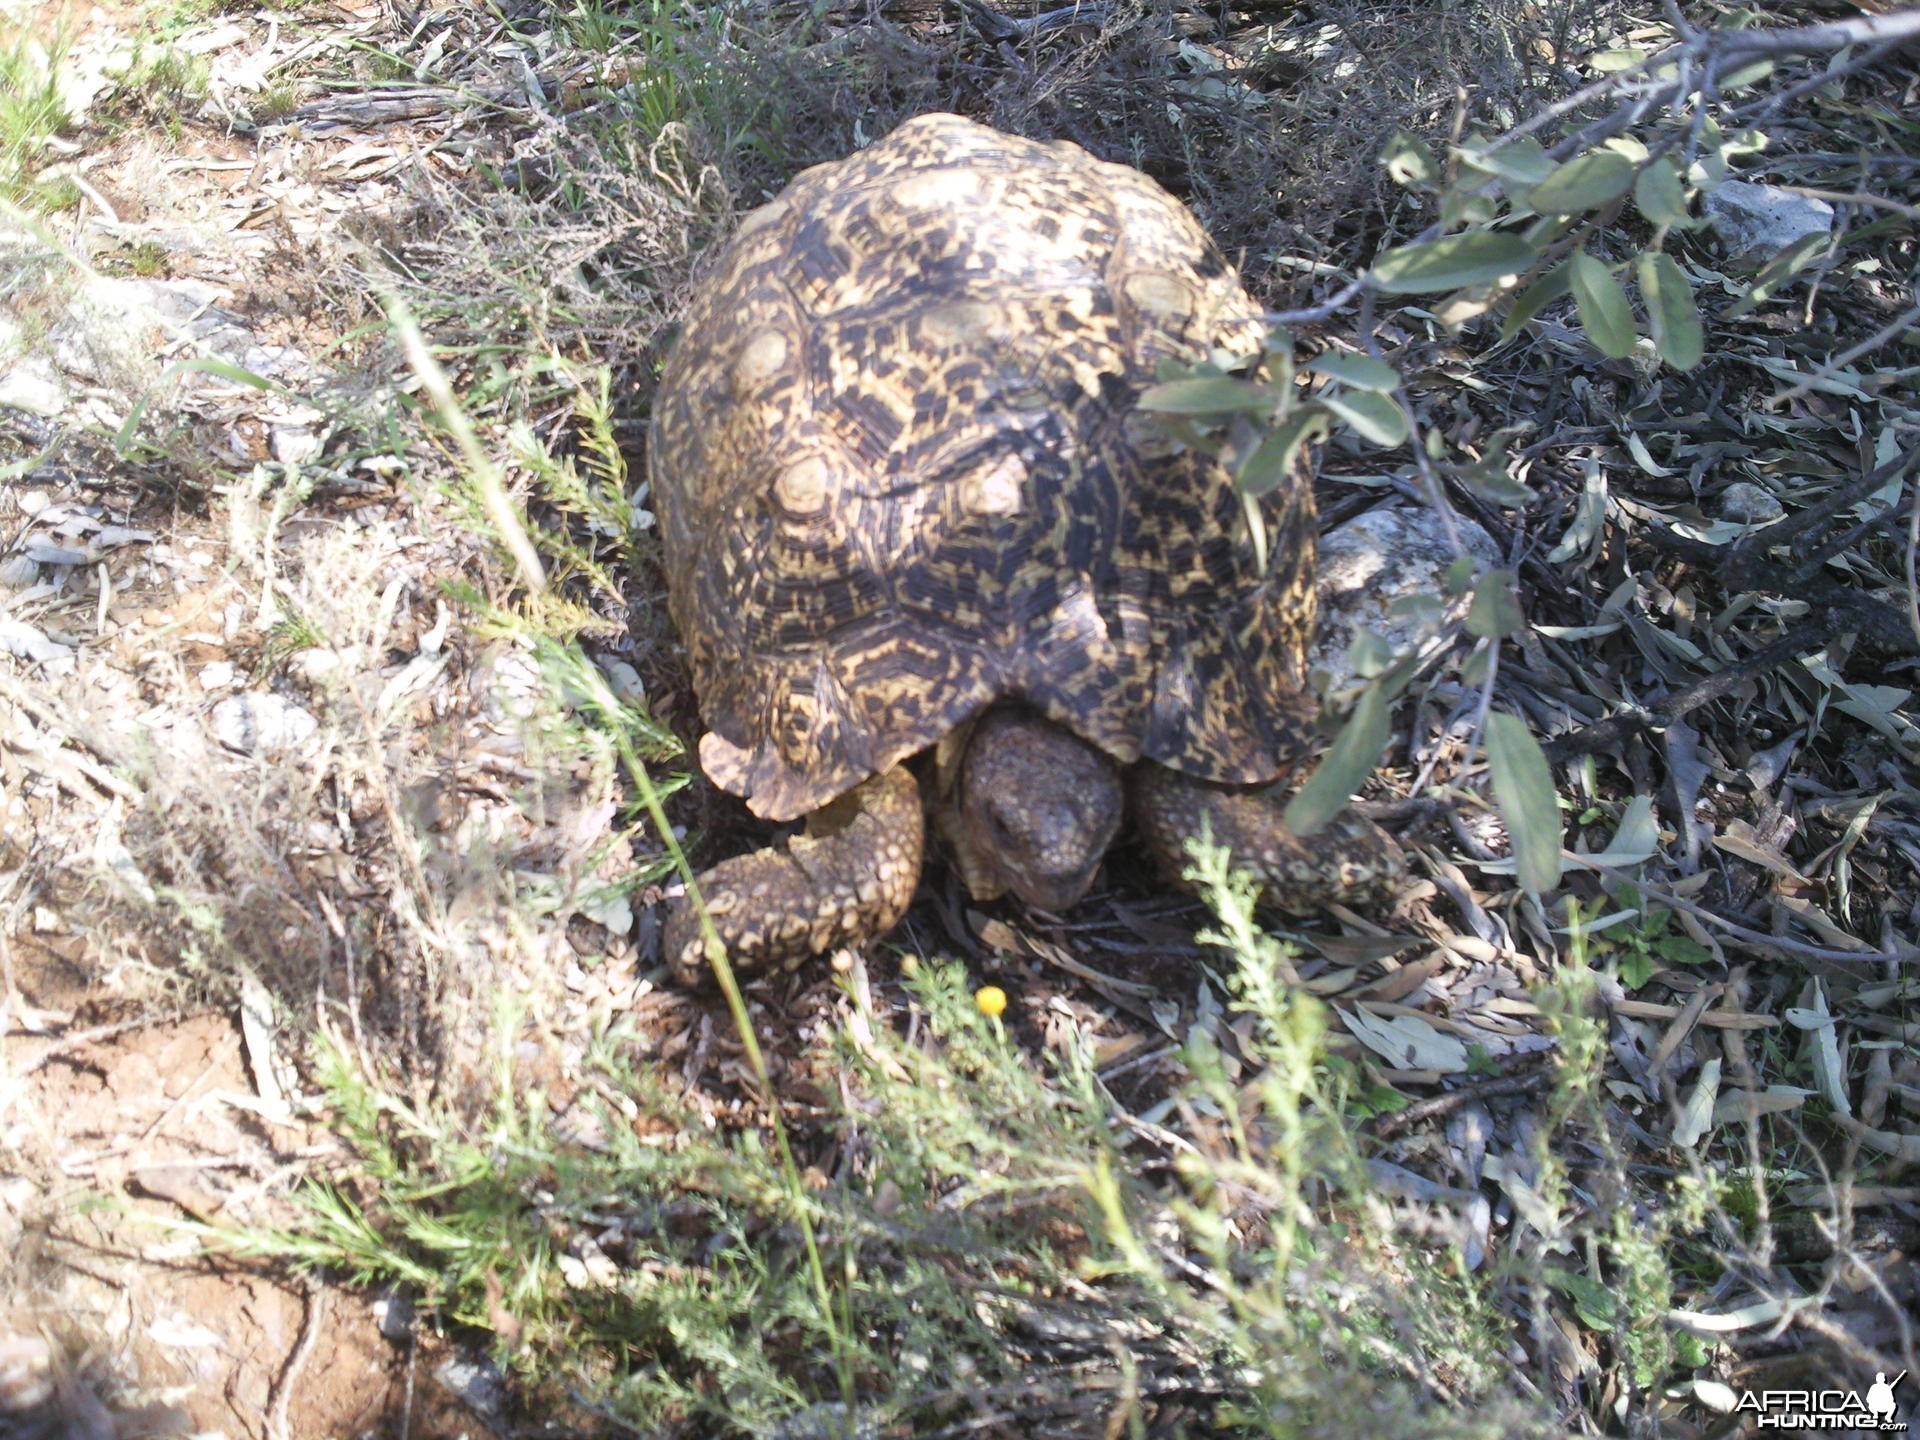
(848, 879)
(1349, 861)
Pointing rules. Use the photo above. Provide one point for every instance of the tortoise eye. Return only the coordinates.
(999, 829)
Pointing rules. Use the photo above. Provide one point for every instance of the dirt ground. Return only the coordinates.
(115, 1324)
(127, 1125)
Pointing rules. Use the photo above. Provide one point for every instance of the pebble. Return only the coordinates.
(260, 722)
(476, 1382)
(1390, 554)
(1756, 222)
(625, 682)
(1750, 503)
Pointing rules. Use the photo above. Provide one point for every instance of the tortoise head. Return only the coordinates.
(1038, 806)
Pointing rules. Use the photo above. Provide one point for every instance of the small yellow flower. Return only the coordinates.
(991, 999)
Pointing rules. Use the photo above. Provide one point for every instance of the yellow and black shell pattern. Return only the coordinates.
(900, 476)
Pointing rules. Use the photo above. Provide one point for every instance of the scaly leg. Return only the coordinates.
(848, 879)
(1350, 860)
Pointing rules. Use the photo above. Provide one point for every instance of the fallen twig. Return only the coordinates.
(1438, 1105)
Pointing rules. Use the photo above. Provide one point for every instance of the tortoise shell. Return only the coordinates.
(900, 476)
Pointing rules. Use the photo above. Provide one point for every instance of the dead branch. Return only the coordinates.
(1620, 727)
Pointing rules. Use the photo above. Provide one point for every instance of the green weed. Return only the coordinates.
(159, 86)
(990, 1233)
(31, 114)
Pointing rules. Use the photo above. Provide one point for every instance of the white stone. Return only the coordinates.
(217, 676)
(625, 682)
(260, 722)
(476, 1382)
(508, 685)
(1388, 554)
(316, 665)
(31, 384)
(293, 444)
(205, 42)
(1756, 222)
(609, 908)
(142, 302)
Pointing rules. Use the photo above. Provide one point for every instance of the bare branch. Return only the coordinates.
(1904, 321)
(1896, 28)
(1913, 581)
(1628, 723)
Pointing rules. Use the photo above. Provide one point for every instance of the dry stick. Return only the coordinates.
(1748, 565)
(1438, 1105)
(1753, 548)
(1770, 104)
(309, 1332)
(1901, 25)
(65, 728)
(1855, 197)
(1622, 726)
(75, 1039)
(1913, 582)
(1852, 353)
(1898, 955)
(1884, 33)
(1815, 560)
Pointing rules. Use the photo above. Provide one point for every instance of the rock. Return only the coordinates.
(260, 722)
(394, 1312)
(26, 1376)
(476, 1382)
(116, 329)
(1392, 553)
(1750, 504)
(217, 676)
(17, 572)
(1757, 222)
(509, 686)
(610, 909)
(172, 239)
(625, 682)
(176, 302)
(30, 383)
(828, 1420)
(293, 444)
(314, 666)
(215, 37)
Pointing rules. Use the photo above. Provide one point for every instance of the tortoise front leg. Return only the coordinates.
(1349, 861)
(848, 879)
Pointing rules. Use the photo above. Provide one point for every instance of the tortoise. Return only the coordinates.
(908, 504)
